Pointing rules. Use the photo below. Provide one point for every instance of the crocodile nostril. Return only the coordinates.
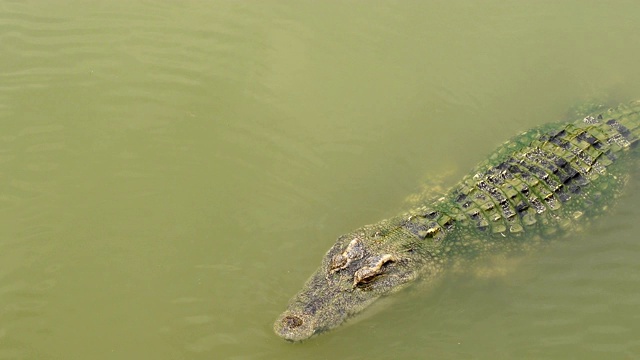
(292, 321)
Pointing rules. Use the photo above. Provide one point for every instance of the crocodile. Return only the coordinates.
(542, 184)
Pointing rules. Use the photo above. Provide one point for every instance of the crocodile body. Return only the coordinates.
(544, 183)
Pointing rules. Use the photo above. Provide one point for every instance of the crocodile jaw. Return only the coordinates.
(321, 306)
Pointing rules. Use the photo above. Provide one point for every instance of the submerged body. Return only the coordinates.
(544, 182)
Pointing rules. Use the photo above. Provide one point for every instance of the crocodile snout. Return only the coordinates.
(295, 326)
(292, 321)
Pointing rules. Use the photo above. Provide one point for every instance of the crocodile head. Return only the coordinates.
(358, 269)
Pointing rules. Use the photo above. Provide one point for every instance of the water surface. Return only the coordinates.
(172, 172)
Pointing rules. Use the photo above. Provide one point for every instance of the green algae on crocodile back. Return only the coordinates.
(543, 182)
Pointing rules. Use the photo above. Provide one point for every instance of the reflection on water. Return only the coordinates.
(170, 174)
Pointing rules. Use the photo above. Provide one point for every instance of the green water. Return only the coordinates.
(171, 172)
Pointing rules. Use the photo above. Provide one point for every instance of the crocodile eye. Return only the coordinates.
(338, 262)
(354, 251)
(367, 274)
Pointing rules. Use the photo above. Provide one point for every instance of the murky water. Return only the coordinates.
(171, 172)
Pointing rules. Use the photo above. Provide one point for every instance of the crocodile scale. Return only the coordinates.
(550, 175)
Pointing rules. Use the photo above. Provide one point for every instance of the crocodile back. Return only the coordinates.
(544, 180)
